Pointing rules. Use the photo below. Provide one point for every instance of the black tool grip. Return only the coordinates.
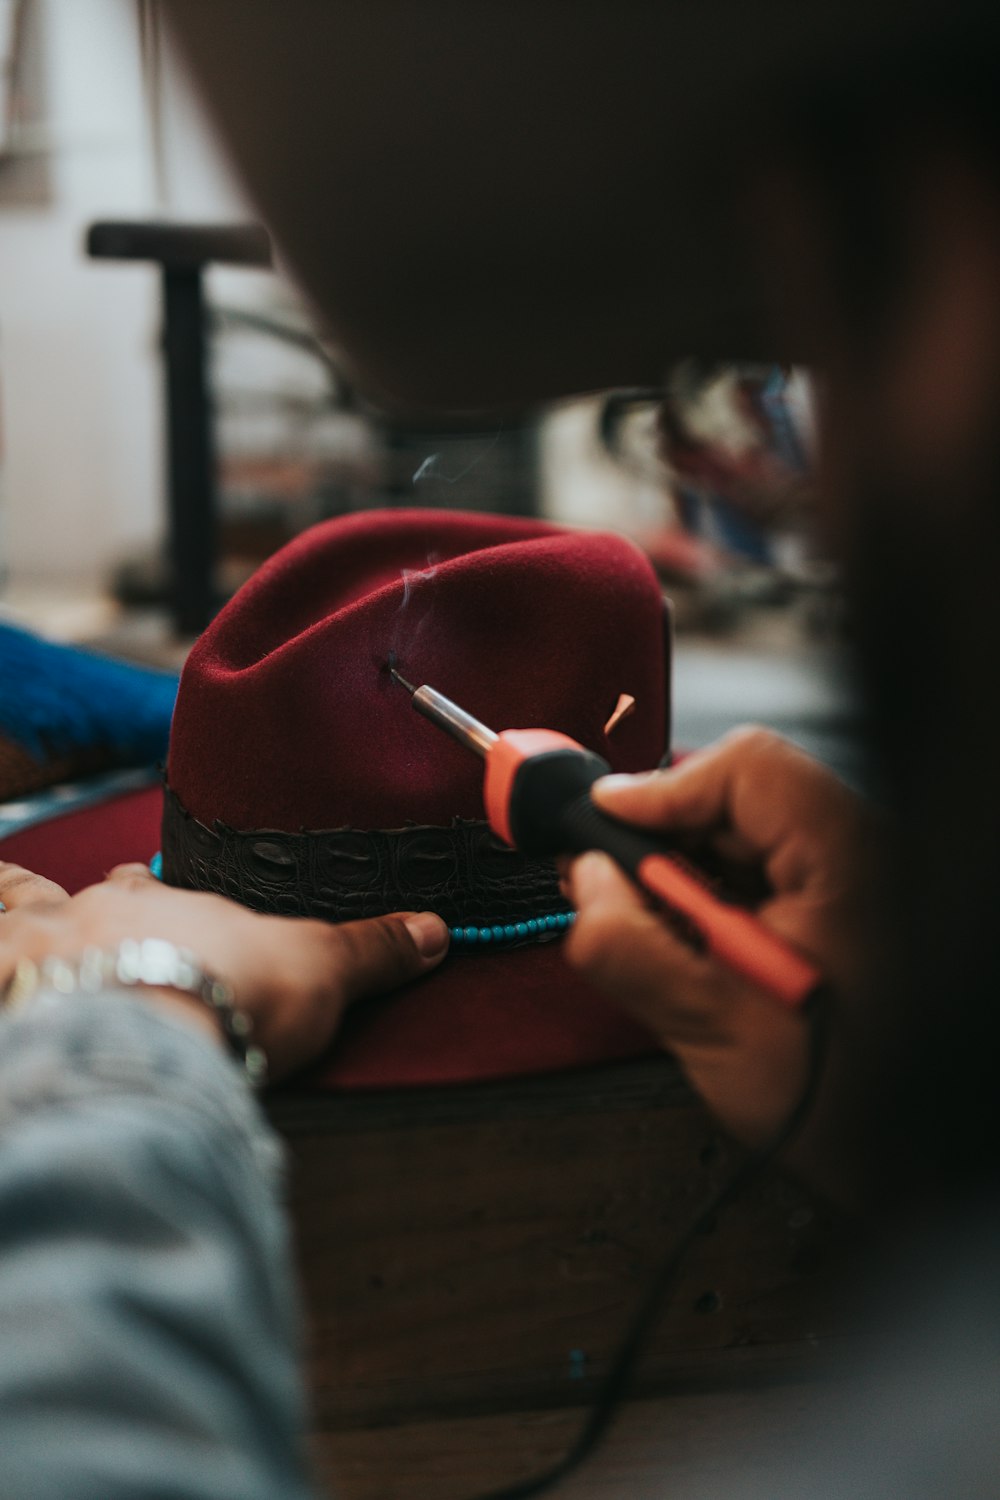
(587, 827)
(551, 811)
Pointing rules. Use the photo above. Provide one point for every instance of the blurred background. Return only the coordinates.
(104, 152)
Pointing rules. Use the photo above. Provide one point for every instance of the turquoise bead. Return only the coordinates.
(156, 865)
(508, 932)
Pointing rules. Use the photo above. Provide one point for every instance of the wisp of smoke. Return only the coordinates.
(412, 579)
(430, 468)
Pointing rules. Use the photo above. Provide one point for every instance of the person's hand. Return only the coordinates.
(293, 977)
(767, 809)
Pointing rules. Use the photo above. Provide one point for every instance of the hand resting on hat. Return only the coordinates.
(762, 805)
(293, 977)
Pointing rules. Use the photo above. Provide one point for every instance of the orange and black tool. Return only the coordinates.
(537, 796)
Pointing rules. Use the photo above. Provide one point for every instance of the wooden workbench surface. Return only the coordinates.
(471, 1256)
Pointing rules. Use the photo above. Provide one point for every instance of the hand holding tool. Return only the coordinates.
(537, 796)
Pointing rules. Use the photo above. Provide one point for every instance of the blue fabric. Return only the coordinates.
(150, 1340)
(57, 699)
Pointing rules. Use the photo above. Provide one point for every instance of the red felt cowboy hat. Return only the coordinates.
(300, 781)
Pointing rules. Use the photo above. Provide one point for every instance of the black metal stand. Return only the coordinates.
(183, 251)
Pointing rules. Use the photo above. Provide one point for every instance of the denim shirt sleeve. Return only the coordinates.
(148, 1327)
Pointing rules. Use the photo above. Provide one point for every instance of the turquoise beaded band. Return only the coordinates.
(514, 932)
(535, 929)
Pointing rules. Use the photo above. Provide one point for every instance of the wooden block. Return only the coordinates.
(474, 1250)
(715, 1445)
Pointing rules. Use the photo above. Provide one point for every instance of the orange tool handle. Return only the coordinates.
(537, 795)
(734, 936)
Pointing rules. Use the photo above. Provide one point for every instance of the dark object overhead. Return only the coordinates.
(498, 200)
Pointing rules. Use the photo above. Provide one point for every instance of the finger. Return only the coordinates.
(382, 953)
(628, 951)
(697, 793)
(752, 782)
(20, 888)
(133, 877)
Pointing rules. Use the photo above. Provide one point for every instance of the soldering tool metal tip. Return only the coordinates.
(461, 725)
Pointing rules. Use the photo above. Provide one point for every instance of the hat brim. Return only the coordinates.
(481, 1015)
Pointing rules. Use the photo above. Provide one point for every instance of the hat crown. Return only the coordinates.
(287, 717)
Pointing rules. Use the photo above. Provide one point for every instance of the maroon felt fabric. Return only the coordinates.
(78, 848)
(286, 717)
(483, 1015)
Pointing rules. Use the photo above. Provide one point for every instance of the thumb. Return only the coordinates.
(381, 953)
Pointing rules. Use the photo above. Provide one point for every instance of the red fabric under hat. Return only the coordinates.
(77, 848)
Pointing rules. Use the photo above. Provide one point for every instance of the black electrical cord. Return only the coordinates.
(613, 1390)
